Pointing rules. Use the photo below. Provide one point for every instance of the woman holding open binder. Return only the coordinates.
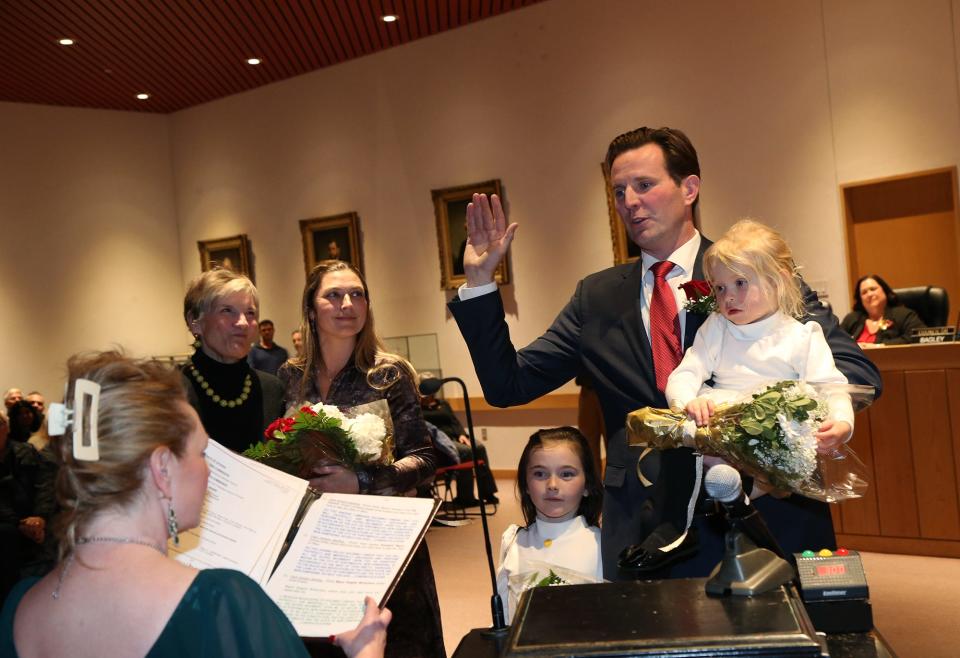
(134, 480)
(345, 364)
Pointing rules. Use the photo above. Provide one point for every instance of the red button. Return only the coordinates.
(842, 551)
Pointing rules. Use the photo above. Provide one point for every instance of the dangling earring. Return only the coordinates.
(172, 528)
(196, 342)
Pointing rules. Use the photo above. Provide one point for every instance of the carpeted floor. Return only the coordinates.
(915, 604)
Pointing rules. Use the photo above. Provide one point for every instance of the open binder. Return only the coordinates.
(316, 555)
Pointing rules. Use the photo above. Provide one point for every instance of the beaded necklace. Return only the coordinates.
(216, 397)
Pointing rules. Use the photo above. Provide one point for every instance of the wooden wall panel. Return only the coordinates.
(893, 460)
(933, 459)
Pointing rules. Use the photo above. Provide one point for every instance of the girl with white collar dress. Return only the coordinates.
(754, 338)
(561, 497)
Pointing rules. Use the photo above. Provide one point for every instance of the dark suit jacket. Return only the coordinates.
(600, 331)
(903, 318)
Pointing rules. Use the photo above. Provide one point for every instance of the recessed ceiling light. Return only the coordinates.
(66, 42)
(389, 18)
(253, 61)
(143, 97)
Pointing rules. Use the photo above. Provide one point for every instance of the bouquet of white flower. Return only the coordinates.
(322, 432)
(770, 435)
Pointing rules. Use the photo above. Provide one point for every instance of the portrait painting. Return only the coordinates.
(336, 237)
(232, 253)
(450, 210)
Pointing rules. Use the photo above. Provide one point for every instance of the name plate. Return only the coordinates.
(934, 335)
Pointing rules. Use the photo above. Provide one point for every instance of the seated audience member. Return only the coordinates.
(439, 413)
(296, 336)
(878, 317)
(21, 530)
(12, 396)
(267, 355)
(115, 592)
(24, 421)
(40, 438)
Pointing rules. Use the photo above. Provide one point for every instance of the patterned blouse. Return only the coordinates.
(416, 460)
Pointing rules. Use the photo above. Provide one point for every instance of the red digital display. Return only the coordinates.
(834, 569)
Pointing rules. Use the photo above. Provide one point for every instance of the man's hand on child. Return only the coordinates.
(832, 435)
(700, 410)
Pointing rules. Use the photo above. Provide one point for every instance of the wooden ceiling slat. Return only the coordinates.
(347, 39)
(163, 68)
(330, 36)
(263, 29)
(311, 36)
(187, 52)
(235, 73)
(236, 33)
(365, 19)
(126, 44)
(64, 70)
(288, 34)
(255, 42)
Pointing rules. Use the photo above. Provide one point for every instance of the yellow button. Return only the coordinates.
(826, 552)
(547, 542)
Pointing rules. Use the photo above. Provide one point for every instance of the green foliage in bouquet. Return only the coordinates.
(306, 436)
(550, 579)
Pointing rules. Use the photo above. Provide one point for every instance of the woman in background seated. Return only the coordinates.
(877, 316)
(114, 591)
(345, 364)
(235, 402)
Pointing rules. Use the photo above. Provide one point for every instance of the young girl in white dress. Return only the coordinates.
(561, 497)
(754, 338)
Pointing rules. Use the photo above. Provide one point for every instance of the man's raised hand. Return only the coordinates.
(488, 238)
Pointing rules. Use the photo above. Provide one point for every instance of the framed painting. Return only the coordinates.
(450, 209)
(232, 253)
(625, 250)
(336, 237)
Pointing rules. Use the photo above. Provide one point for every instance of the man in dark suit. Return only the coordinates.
(605, 331)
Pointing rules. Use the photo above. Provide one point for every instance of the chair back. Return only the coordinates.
(931, 303)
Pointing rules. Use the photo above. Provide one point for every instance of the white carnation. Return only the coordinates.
(367, 432)
(330, 411)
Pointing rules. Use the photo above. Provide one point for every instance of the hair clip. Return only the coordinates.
(82, 419)
(86, 405)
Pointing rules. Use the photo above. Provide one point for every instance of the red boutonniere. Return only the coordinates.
(700, 297)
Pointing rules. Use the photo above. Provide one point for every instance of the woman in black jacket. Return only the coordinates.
(878, 316)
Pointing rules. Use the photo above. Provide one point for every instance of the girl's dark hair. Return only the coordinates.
(892, 299)
(592, 502)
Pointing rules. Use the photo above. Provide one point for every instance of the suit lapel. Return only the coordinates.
(631, 321)
(694, 320)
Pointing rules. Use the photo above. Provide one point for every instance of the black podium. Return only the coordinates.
(663, 618)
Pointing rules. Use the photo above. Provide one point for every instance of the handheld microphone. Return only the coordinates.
(723, 484)
(429, 386)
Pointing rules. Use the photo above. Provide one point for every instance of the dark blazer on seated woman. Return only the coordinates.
(902, 321)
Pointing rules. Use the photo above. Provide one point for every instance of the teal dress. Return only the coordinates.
(222, 613)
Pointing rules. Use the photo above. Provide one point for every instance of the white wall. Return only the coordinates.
(785, 100)
(90, 254)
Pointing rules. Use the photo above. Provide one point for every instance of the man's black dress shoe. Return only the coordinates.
(647, 557)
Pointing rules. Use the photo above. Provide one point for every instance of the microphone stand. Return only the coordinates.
(496, 603)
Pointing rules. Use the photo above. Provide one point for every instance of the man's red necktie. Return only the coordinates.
(664, 324)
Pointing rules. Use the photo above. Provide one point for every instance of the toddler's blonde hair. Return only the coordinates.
(750, 247)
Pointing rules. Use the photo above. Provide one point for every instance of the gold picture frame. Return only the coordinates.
(334, 237)
(624, 249)
(450, 209)
(232, 253)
